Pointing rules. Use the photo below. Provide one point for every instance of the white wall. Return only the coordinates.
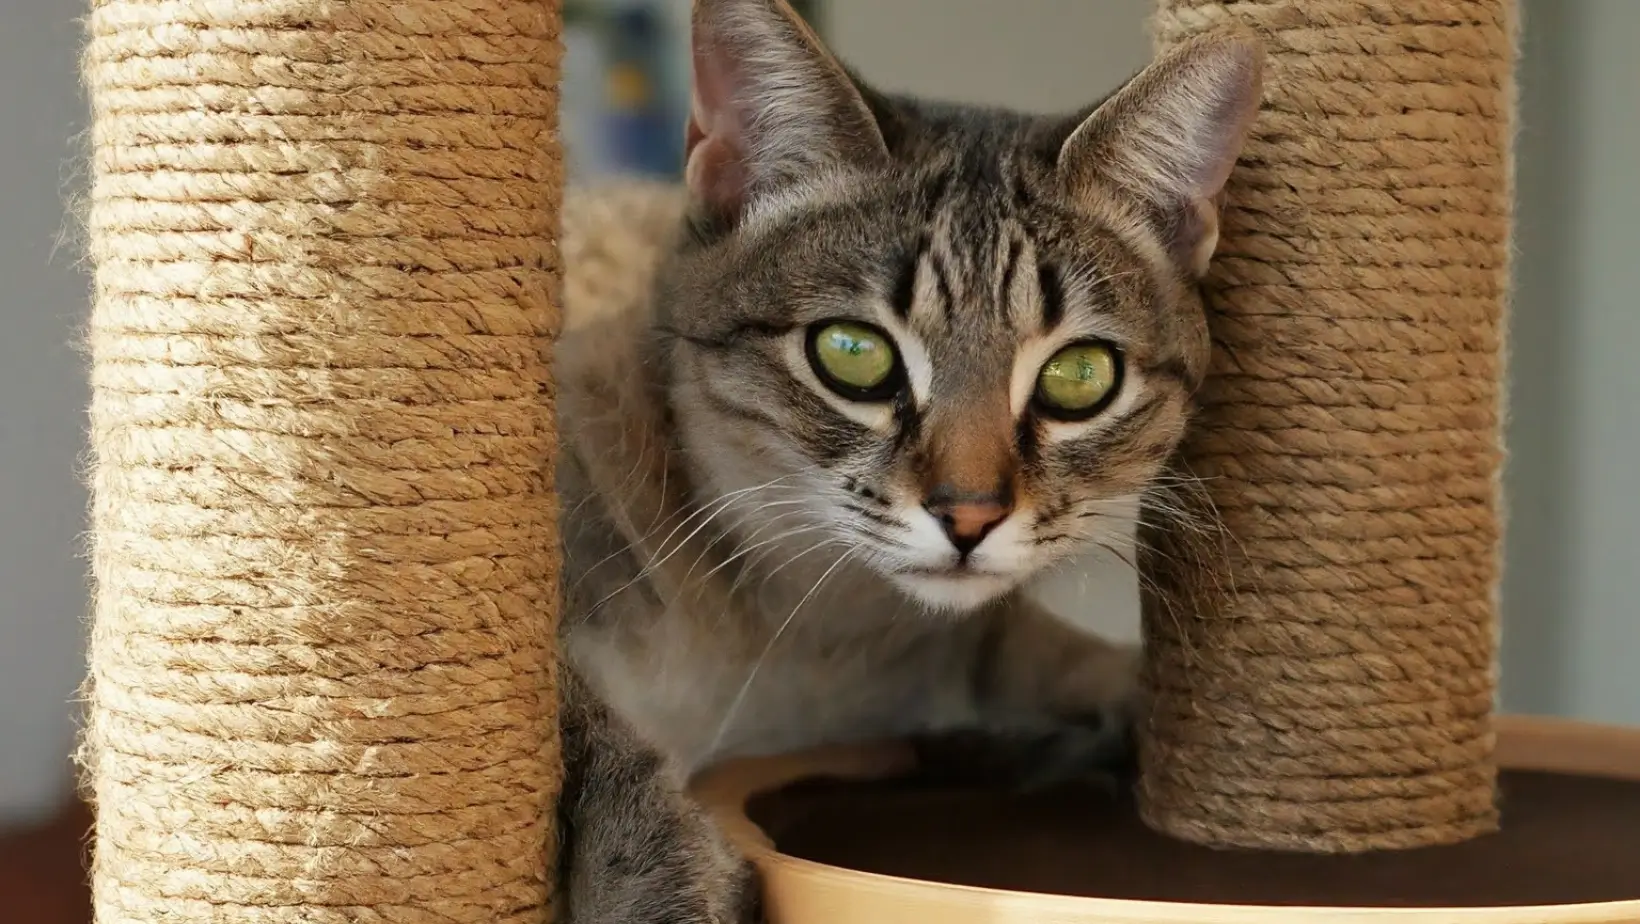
(1045, 55)
(1572, 597)
(1602, 177)
(42, 402)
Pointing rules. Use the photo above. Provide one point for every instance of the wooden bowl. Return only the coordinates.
(841, 837)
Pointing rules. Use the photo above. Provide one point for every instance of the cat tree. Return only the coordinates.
(323, 529)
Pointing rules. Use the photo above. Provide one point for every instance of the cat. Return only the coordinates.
(900, 357)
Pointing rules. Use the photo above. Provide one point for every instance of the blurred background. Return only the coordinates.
(1572, 593)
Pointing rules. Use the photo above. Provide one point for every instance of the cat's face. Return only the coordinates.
(924, 338)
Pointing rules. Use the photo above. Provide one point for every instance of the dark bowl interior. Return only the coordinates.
(1565, 840)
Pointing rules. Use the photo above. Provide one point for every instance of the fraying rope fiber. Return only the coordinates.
(1322, 670)
(324, 527)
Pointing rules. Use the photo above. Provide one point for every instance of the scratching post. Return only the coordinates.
(1322, 668)
(323, 523)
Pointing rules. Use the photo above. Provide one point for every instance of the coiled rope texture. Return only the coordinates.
(322, 426)
(1323, 669)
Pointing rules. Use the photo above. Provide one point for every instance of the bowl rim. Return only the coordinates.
(1524, 742)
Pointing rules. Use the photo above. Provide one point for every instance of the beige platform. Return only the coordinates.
(851, 836)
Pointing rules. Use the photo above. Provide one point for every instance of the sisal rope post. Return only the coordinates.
(1322, 671)
(324, 528)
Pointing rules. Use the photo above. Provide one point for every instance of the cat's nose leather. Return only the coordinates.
(966, 518)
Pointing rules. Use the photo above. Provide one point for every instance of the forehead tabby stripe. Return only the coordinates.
(942, 279)
(1051, 294)
(1009, 268)
(905, 284)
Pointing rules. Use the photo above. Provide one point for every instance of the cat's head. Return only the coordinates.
(957, 343)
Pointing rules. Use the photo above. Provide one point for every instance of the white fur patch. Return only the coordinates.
(926, 538)
(1008, 548)
(956, 593)
(919, 366)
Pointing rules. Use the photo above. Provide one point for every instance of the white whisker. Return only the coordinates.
(707, 549)
(748, 549)
(712, 510)
(751, 676)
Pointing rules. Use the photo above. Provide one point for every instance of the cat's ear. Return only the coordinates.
(1171, 136)
(770, 105)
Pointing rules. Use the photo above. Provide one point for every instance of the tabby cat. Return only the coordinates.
(902, 357)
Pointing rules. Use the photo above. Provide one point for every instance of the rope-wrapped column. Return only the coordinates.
(1322, 659)
(324, 540)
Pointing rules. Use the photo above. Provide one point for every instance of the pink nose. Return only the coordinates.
(966, 519)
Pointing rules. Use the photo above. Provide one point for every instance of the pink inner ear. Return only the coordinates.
(714, 151)
(1196, 235)
(692, 136)
(715, 172)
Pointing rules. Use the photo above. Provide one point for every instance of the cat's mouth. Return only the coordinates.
(949, 572)
(957, 587)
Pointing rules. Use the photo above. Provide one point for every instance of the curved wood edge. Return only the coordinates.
(799, 891)
(724, 790)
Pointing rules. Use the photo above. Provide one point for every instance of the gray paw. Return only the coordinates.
(1098, 750)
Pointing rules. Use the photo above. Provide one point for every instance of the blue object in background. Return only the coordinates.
(643, 121)
(581, 103)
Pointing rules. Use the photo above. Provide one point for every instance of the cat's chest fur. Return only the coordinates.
(702, 688)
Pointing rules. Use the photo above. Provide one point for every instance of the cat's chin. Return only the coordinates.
(953, 592)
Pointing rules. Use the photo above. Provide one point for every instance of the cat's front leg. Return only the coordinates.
(1053, 703)
(635, 848)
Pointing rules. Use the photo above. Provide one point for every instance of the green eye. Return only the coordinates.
(1079, 380)
(855, 360)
